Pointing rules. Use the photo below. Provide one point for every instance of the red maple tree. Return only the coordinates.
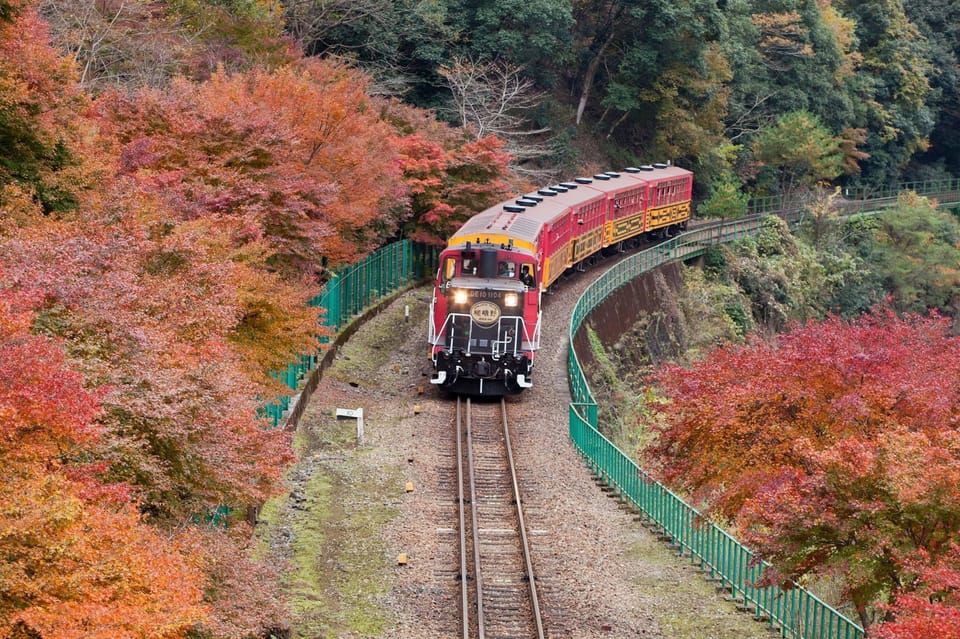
(834, 448)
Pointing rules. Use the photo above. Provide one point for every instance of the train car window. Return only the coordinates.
(507, 269)
(469, 266)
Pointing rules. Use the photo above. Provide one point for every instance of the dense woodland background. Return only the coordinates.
(178, 178)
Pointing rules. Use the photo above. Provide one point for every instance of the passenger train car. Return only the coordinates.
(485, 314)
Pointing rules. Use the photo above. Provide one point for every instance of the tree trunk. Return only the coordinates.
(590, 75)
(617, 123)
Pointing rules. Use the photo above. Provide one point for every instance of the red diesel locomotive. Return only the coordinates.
(485, 314)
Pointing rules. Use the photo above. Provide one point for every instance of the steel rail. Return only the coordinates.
(478, 572)
(501, 550)
(464, 589)
(531, 577)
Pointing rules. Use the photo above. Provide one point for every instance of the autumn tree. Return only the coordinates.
(495, 98)
(831, 448)
(298, 155)
(154, 322)
(78, 557)
(135, 43)
(928, 606)
(38, 113)
(448, 174)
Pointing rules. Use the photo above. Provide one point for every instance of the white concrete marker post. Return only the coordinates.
(353, 413)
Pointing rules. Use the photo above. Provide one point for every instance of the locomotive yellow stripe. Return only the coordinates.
(492, 238)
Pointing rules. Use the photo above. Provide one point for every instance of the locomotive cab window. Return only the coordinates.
(526, 275)
(469, 266)
(449, 269)
(507, 269)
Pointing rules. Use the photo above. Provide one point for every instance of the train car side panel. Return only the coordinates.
(669, 197)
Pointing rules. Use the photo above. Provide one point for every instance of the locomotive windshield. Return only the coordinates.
(487, 265)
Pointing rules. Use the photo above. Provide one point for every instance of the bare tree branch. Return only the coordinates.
(493, 99)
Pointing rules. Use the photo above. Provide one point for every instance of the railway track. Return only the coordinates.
(498, 585)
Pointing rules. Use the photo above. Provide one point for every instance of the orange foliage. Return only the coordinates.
(448, 175)
(930, 605)
(78, 560)
(297, 156)
(154, 321)
(39, 103)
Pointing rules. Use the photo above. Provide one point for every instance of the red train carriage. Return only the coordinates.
(485, 313)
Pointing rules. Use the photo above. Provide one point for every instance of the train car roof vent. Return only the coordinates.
(601, 176)
(511, 208)
(531, 196)
(632, 169)
(646, 167)
(583, 180)
(525, 202)
(559, 189)
(547, 192)
(569, 185)
(612, 174)
(659, 165)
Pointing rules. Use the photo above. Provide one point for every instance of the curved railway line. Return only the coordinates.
(592, 580)
(498, 584)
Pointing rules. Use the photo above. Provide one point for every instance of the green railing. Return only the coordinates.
(796, 612)
(946, 190)
(358, 286)
(349, 292)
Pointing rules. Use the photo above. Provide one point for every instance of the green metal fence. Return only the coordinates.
(349, 292)
(947, 191)
(794, 611)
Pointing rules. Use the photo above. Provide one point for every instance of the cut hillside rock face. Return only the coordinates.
(348, 516)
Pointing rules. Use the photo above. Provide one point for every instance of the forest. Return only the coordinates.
(179, 177)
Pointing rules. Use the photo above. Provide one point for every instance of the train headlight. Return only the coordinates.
(511, 300)
(460, 296)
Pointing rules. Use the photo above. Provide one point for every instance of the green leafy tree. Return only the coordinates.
(788, 56)
(783, 278)
(648, 74)
(798, 151)
(727, 201)
(531, 33)
(917, 255)
(939, 21)
(897, 96)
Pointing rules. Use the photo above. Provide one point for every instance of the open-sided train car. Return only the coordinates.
(485, 314)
